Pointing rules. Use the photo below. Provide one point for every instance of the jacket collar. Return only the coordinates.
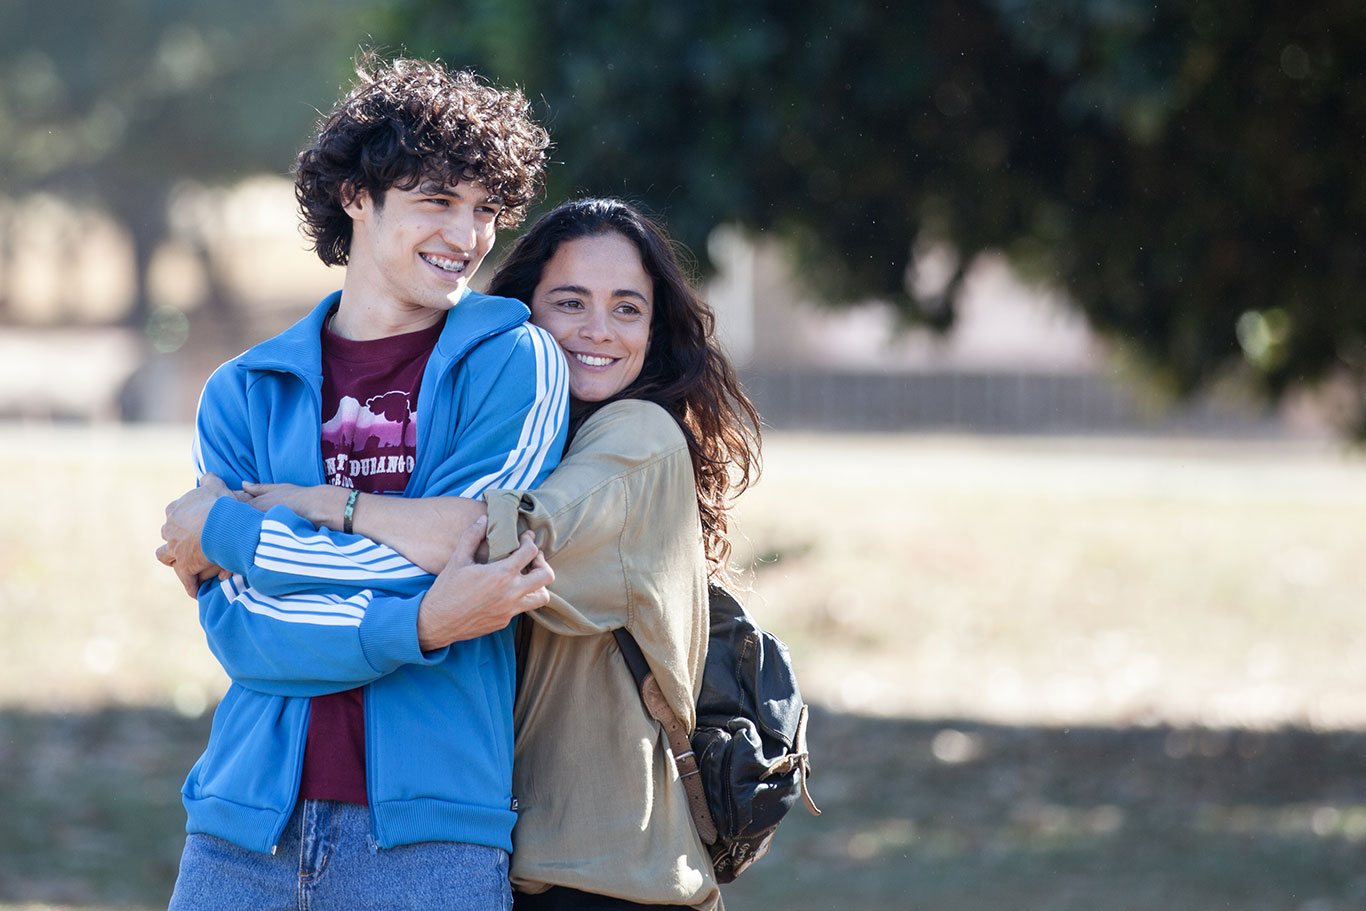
(298, 349)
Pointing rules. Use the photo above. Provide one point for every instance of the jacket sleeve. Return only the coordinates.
(513, 400)
(304, 614)
(309, 644)
(315, 610)
(618, 523)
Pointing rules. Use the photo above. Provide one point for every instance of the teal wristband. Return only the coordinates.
(350, 511)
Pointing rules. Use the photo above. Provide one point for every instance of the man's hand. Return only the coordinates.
(470, 599)
(185, 519)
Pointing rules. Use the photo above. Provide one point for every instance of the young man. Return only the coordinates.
(362, 756)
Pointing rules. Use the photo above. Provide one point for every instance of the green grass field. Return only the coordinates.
(1047, 674)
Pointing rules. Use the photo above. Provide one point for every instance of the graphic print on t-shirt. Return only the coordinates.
(369, 443)
(375, 439)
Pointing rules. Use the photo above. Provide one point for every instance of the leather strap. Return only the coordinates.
(800, 759)
(684, 758)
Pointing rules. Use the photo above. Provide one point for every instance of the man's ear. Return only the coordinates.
(354, 202)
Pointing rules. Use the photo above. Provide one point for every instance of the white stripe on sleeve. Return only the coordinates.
(542, 420)
(318, 610)
(318, 556)
(315, 609)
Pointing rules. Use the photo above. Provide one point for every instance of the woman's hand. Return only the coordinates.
(185, 519)
(470, 599)
(321, 504)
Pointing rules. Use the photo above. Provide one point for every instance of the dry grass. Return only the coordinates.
(1008, 580)
(1067, 581)
(1069, 674)
(1053, 673)
(91, 618)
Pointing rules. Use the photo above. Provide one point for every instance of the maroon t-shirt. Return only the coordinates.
(369, 440)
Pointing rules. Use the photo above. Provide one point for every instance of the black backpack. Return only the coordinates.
(748, 752)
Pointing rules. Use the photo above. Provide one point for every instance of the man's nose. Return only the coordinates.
(458, 229)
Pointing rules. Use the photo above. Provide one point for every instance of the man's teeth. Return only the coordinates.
(592, 361)
(441, 262)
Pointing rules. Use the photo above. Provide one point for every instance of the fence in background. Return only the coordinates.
(995, 402)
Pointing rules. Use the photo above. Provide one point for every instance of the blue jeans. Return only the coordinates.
(327, 860)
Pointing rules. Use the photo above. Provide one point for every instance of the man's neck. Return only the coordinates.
(362, 318)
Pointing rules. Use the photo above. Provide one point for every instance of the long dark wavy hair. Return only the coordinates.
(406, 121)
(685, 371)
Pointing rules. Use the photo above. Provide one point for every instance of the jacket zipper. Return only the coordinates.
(298, 778)
(315, 393)
(366, 697)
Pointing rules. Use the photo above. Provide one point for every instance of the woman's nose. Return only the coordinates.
(596, 325)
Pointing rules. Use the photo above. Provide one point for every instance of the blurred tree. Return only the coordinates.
(1187, 171)
(113, 103)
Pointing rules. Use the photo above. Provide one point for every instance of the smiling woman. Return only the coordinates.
(596, 299)
(684, 371)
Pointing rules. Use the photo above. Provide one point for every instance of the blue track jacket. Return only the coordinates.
(312, 611)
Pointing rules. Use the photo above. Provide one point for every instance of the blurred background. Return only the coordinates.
(1053, 312)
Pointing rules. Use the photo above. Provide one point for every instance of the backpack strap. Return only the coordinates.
(685, 760)
(521, 648)
(799, 759)
(635, 658)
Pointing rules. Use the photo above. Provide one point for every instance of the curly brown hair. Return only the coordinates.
(685, 370)
(408, 121)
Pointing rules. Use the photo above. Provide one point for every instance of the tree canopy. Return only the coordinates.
(1185, 170)
(114, 104)
(1188, 172)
